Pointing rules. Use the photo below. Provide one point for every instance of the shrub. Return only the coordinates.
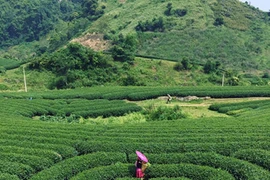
(168, 11)
(219, 21)
(4, 176)
(154, 25)
(180, 12)
(2, 69)
(178, 66)
(164, 113)
(266, 75)
(3, 87)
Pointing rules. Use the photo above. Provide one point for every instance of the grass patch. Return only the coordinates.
(130, 118)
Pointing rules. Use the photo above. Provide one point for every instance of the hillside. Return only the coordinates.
(231, 32)
(205, 39)
(228, 31)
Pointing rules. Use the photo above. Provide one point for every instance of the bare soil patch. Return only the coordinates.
(94, 41)
(122, 1)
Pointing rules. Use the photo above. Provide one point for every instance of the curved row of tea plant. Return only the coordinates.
(237, 168)
(143, 92)
(255, 156)
(247, 105)
(20, 170)
(70, 167)
(36, 162)
(232, 148)
(4, 176)
(79, 107)
(172, 170)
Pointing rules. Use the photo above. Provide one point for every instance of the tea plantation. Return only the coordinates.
(234, 147)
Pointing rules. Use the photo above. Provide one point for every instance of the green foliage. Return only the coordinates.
(124, 48)
(3, 87)
(4, 176)
(168, 11)
(36, 162)
(201, 148)
(186, 63)
(8, 63)
(137, 93)
(69, 111)
(178, 66)
(130, 81)
(75, 66)
(256, 156)
(210, 45)
(211, 67)
(219, 21)
(155, 25)
(239, 108)
(67, 119)
(178, 12)
(239, 43)
(237, 168)
(65, 169)
(37, 18)
(21, 170)
(266, 75)
(164, 113)
(90, 9)
(107, 172)
(187, 170)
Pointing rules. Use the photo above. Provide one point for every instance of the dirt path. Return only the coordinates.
(197, 108)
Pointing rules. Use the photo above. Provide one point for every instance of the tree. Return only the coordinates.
(168, 11)
(210, 66)
(234, 81)
(180, 12)
(157, 24)
(124, 48)
(90, 9)
(186, 63)
(219, 21)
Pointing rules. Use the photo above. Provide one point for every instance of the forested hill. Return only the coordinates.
(217, 35)
(228, 31)
(32, 20)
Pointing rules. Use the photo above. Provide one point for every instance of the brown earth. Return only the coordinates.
(122, 1)
(94, 41)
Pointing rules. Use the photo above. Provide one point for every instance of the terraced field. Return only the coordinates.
(234, 147)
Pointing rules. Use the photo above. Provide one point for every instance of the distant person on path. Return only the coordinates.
(169, 98)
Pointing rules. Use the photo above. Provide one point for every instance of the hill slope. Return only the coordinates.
(231, 32)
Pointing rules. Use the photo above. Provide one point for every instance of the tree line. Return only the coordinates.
(28, 21)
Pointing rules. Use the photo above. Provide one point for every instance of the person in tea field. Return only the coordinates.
(141, 164)
(169, 98)
(140, 168)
